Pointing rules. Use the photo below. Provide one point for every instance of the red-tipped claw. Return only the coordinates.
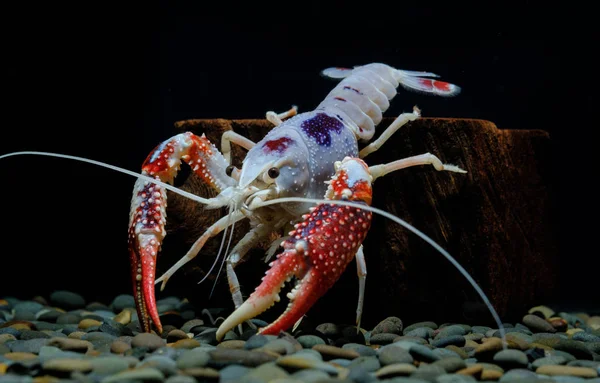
(148, 210)
(317, 252)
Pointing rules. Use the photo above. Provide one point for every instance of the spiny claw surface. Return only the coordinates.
(145, 235)
(317, 252)
(148, 216)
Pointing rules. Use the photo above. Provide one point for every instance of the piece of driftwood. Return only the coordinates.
(496, 220)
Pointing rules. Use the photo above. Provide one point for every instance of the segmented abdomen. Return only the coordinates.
(362, 97)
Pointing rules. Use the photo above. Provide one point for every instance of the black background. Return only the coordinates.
(108, 83)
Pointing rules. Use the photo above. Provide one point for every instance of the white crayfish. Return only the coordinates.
(308, 159)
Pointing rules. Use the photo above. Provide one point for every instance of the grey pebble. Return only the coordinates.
(68, 318)
(420, 332)
(4, 349)
(593, 347)
(256, 341)
(152, 341)
(163, 363)
(30, 306)
(32, 345)
(67, 299)
(392, 354)
(24, 315)
(537, 324)
(170, 352)
(383, 338)
(310, 375)
(585, 337)
(449, 331)
(585, 363)
(220, 357)
(32, 334)
(341, 362)
(391, 325)
(411, 339)
(280, 346)
(456, 340)
(522, 328)
(454, 378)
(10, 330)
(121, 302)
(480, 329)
(360, 348)
(451, 364)
(549, 360)
(423, 353)
(182, 379)
(445, 353)
(97, 336)
(358, 374)
(265, 373)
(41, 326)
(308, 341)
(367, 363)
(115, 328)
(511, 358)
(141, 374)
(310, 354)
(545, 335)
(568, 379)
(428, 372)
(575, 348)
(429, 324)
(519, 375)
(108, 365)
(193, 358)
(233, 373)
(568, 356)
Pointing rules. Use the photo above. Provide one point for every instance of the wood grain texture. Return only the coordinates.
(496, 220)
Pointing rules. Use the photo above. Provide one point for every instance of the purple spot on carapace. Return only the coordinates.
(340, 117)
(354, 89)
(279, 145)
(320, 127)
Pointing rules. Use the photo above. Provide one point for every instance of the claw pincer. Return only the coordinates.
(317, 252)
(148, 215)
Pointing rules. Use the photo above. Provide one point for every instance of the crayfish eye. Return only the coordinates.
(229, 170)
(273, 172)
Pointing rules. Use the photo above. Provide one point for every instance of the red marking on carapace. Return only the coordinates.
(341, 99)
(279, 145)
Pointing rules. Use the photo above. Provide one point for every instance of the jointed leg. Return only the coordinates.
(230, 136)
(387, 133)
(215, 229)
(361, 270)
(238, 253)
(277, 119)
(422, 159)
